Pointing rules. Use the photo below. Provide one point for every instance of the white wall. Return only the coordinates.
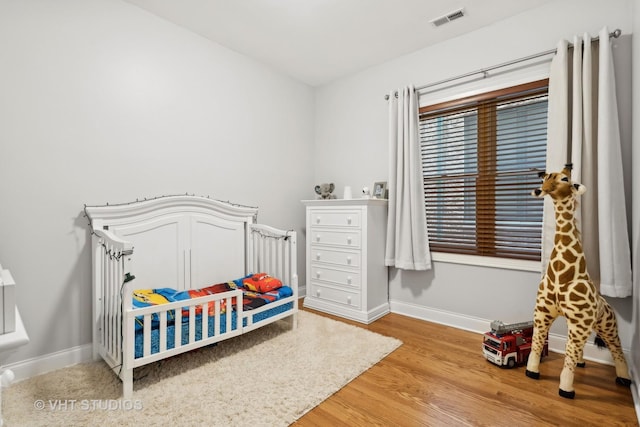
(635, 247)
(351, 149)
(103, 102)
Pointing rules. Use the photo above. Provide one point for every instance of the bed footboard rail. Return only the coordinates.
(205, 320)
(111, 256)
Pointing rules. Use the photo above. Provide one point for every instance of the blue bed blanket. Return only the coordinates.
(250, 286)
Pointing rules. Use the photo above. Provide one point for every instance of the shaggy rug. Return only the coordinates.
(268, 377)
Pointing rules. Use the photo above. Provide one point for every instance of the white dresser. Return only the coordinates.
(14, 334)
(346, 275)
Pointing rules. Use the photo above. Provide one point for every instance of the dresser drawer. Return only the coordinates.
(345, 239)
(339, 296)
(336, 257)
(327, 218)
(336, 277)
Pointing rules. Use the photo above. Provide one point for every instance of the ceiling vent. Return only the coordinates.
(448, 17)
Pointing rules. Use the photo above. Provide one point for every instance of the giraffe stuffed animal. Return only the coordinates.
(566, 290)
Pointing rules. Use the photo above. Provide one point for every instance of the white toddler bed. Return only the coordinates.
(186, 243)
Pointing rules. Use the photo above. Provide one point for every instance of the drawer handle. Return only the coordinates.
(349, 300)
(349, 220)
(318, 220)
(317, 274)
(317, 237)
(317, 292)
(349, 279)
(318, 256)
(348, 260)
(349, 239)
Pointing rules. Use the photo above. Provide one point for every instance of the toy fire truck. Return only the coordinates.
(509, 345)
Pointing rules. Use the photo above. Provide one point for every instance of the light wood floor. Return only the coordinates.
(438, 377)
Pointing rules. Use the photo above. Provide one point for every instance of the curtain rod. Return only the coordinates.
(615, 34)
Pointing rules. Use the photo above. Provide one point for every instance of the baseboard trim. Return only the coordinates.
(346, 312)
(557, 342)
(635, 390)
(50, 362)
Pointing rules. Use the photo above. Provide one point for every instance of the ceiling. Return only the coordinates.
(318, 41)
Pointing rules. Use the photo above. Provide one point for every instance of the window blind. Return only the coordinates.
(481, 157)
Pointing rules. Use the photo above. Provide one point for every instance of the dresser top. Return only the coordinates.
(346, 202)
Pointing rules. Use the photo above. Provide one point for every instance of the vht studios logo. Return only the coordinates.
(63, 405)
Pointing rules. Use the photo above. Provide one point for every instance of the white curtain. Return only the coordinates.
(583, 129)
(407, 241)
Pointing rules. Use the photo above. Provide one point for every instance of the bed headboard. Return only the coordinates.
(180, 241)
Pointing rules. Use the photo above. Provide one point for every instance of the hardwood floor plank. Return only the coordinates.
(439, 377)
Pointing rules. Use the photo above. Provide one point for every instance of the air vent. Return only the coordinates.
(456, 14)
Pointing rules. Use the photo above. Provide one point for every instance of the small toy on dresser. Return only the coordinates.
(324, 191)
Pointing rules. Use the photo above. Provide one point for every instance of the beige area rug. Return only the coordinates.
(268, 377)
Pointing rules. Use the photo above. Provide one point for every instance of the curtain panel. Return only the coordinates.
(583, 129)
(407, 244)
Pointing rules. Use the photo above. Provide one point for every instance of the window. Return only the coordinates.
(481, 157)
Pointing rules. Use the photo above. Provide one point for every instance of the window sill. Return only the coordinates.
(506, 263)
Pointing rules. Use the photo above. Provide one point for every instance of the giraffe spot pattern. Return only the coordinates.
(551, 274)
(567, 275)
(543, 308)
(582, 268)
(576, 297)
(558, 265)
(570, 257)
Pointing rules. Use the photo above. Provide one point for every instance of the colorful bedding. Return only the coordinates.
(250, 285)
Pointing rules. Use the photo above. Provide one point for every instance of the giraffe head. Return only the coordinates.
(558, 185)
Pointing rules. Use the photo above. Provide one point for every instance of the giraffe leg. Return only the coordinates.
(577, 338)
(581, 363)
(607, 330)
(542, 322)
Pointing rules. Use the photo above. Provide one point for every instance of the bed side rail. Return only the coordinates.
(111, 257)
(274, 251)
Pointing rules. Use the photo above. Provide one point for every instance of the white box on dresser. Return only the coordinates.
(7, 302)
(346, 275)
